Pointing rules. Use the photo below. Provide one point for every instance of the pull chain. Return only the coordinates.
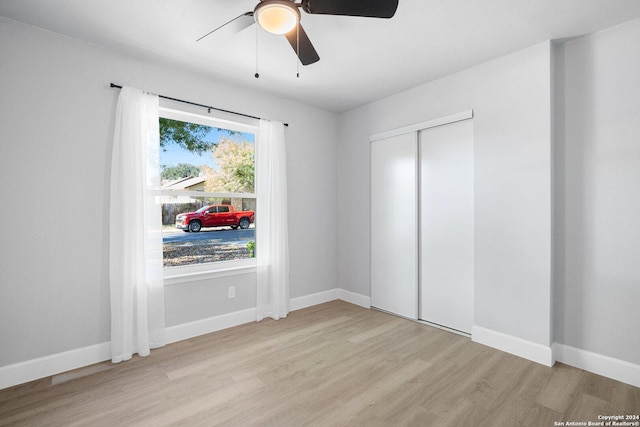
(257, 75)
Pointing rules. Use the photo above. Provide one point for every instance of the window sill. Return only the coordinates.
(194, 273)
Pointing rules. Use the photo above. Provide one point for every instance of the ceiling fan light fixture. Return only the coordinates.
(277, 16)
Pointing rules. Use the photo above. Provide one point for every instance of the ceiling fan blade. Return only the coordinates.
(307, 53)
(366, 8)
(232, 27)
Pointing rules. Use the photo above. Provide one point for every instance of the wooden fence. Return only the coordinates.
(170, 210)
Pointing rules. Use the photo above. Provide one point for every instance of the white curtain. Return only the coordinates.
(137, 292)
(272, 243)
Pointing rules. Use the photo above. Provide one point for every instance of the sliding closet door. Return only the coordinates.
(394, 226)
(446, 225)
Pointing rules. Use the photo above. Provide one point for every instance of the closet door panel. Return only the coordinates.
(446, 225)
(394, 225)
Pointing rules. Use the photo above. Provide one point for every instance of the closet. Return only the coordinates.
(422, 222)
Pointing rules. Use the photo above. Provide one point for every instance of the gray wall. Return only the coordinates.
(597, 244)
(511, 98)
(56, 120)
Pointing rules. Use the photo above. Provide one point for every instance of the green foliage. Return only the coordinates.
(251, 247)
(181, 170)
(236, 162)
(189, 136)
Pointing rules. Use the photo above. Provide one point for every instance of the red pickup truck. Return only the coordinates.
(214, 216)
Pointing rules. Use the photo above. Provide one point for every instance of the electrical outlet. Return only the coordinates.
(232, 291)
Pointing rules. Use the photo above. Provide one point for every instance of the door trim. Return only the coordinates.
(444, 120)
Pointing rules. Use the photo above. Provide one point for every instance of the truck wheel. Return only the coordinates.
(244, 223)
(195, 226)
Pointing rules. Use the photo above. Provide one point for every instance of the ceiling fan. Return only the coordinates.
(283, 17)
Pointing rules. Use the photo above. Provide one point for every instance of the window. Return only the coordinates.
(208, 194)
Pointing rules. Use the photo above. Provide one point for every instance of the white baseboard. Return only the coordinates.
(313, 299)
(54, 364)
(330, 295)
(606, 366)
(514, 345)
(353, 298)
(184, 331)
(46, 366)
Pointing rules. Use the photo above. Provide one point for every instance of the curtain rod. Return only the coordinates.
(208, 107)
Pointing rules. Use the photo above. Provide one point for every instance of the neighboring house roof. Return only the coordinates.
(183, 183)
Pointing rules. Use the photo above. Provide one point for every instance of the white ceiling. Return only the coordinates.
(361, 59)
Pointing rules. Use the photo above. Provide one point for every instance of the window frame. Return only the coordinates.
(211, 270)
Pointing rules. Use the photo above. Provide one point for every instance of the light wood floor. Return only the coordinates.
(334, 364)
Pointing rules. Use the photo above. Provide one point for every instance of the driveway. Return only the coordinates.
(215, 235)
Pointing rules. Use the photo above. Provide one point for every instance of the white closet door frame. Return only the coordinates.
(445, 120)
(411, 308)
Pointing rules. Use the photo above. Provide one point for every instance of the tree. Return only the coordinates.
(236, 168)
(181, 170)
(189, 136)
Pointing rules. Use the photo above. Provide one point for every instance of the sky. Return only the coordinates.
(175, 154)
